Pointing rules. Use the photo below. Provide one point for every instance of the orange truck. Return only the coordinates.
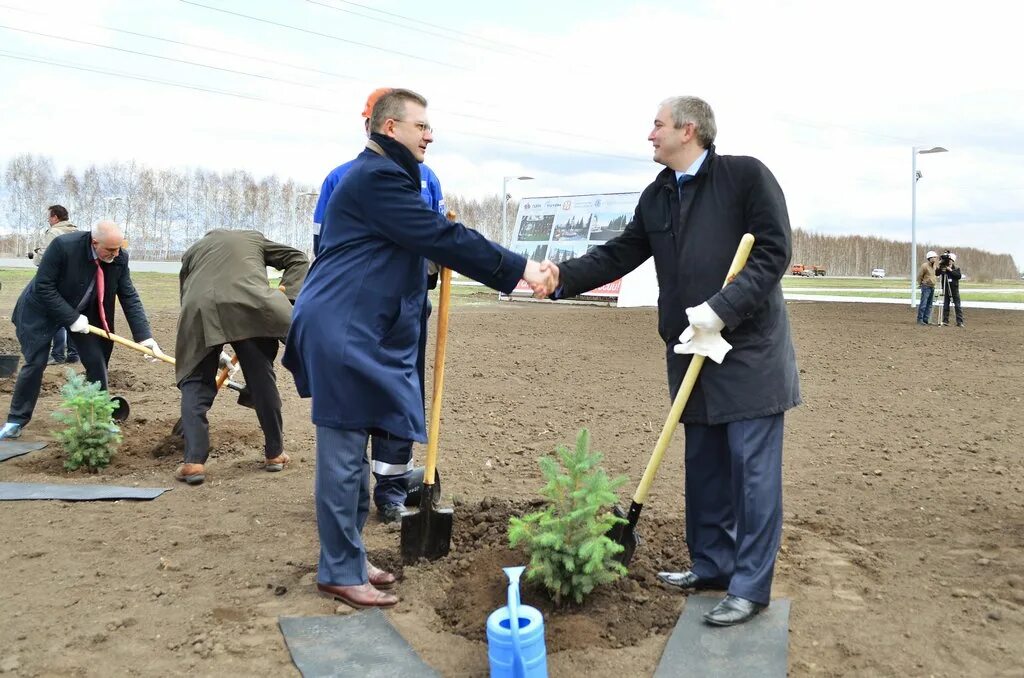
(808, 271)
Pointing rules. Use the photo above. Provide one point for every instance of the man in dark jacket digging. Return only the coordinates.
(75, 286)
(691, 219)
(226, 298)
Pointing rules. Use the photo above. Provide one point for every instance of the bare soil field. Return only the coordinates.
(903, 548)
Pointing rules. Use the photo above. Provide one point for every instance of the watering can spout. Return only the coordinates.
(515, 635)
(514, 573)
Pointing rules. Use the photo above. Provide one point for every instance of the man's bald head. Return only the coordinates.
(107, 237)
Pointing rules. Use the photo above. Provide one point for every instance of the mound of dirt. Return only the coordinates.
(620, 614)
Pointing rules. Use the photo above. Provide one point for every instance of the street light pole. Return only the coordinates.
(914, 177)
(504, 203)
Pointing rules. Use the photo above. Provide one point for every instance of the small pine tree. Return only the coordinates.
(570, 552)
(90, 436)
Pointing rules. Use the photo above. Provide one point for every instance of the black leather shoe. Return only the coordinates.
(689, 580)
(733, 610)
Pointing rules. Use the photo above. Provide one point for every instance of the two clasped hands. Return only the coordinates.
(542, 278)
(703, 335)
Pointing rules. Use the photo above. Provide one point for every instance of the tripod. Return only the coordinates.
(939, 319)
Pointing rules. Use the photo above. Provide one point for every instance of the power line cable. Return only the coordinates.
(443, 28)
(161, 57)
(469, 116)
(193, 45)
(502, 49)
(325, 35)
(319, 109)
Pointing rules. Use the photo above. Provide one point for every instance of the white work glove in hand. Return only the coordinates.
(152, 346)
(81, 325)
(225, 363)
(704, 318)
(704, 335)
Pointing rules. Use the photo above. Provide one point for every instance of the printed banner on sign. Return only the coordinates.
(563, 227)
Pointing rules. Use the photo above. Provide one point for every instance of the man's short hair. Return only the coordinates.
(58, 211)
(697, 111)
(392, 105)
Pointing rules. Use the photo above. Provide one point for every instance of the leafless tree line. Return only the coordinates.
(858, 255)
(165, 211)
(162, 211)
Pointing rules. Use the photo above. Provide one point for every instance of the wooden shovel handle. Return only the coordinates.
(433, 433)
(686, 388)
(129, 343)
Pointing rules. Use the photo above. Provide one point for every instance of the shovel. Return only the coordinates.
(625, 533)
(427, 533)
(121, 413)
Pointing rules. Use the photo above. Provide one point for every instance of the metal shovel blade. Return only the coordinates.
(244, 394)
(426, 533)
(122, 411)
(625, 534)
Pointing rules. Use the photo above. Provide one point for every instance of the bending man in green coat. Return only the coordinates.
(226, 298)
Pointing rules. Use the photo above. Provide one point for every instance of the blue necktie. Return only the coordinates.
(683, 178)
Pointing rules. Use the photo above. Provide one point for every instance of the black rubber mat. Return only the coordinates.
(362, 644)
(757, 649)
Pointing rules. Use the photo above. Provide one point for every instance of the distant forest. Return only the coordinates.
(164, 211)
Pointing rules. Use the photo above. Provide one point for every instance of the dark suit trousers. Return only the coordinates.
(256, 358)
(93, 351)
(734, 503)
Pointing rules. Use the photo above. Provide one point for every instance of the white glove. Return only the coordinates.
(81, 325)
(704, 318)
(700, 342)
(704, 335)
(225, 363)
(152, 346)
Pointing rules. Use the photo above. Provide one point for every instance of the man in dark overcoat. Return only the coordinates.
(80, 275)
(356, 327)
(227, 299)
(691, 219)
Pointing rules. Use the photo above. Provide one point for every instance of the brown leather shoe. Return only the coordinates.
(361, 596)
(277, 463)
(193, 474)
(378, 577)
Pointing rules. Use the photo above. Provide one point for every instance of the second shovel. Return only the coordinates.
(427, 532)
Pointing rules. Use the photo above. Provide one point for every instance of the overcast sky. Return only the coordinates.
(832, 97)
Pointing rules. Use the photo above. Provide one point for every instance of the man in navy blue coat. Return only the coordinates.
(356, 326)
(691, 219)
(392, 458)
(75, 286)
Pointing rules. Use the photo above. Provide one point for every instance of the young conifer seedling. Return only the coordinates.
(89, 437)
(570, 552)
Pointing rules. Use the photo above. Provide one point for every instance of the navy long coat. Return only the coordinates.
(356, 325)
(693, 243)
(65, 273)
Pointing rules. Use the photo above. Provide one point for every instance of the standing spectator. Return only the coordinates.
(926, 280)
(951, 275)
(63, 350)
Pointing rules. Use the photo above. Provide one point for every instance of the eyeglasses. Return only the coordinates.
(422, 127)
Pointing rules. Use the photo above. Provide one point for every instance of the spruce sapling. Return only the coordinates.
(570, 552)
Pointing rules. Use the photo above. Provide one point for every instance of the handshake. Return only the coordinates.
(542, 278)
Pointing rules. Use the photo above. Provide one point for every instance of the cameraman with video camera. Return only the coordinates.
(950, 275)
